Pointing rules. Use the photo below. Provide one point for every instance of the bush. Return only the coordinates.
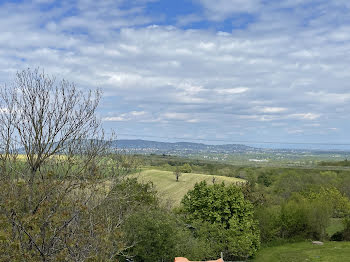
(156, 235)
(302, 217)
(269, 223)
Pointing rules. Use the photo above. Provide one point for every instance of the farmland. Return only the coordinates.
(169, 189)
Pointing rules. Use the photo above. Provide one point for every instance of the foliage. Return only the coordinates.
(265, 179)
(186, 168)
(233, 228)
(269, 222)
(138, 194)
(332, 197)
(304, 217)
(157, 235)
(335, 163)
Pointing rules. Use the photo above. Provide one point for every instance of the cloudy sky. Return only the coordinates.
(221, 71)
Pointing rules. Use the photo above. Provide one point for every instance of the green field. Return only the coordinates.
(169, 189)
(306, 251)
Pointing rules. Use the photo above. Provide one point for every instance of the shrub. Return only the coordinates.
(269, 222)
(156, 235)
(302, 217)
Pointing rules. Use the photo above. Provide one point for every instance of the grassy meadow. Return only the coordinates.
(169, 189)
(306, 251)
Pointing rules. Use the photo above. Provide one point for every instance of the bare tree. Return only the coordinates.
(50, 210)
(177, 173)
(46, 117)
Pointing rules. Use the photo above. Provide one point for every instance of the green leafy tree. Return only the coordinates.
(332, 198)
(233, 228)
(186, 168)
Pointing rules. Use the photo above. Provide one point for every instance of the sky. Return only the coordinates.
(194, 70)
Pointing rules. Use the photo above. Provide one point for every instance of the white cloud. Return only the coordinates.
(176, 116)
(138, 113)
(232, 91)
(272, 109)
(129, 116)
(305, 116)
(274, 70)
(113, 119)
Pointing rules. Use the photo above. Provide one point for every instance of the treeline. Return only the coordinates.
(335, 163)
(299, 204)
(170, 163)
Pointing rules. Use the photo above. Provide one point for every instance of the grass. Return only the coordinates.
(306, 251)
(169, 189)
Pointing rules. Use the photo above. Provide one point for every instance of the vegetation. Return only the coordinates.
(220, 214)
(335, 163)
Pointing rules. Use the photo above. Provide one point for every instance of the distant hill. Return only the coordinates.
(145, 146)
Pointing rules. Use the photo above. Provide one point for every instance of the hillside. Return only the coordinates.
(145, 146)
(169, 189)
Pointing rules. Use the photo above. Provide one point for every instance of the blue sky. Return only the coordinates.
(224, 70)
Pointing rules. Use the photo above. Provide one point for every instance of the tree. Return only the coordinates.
(177, 173)
(186, 168)
(45, 118)
(51, 199)
(227, 218)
